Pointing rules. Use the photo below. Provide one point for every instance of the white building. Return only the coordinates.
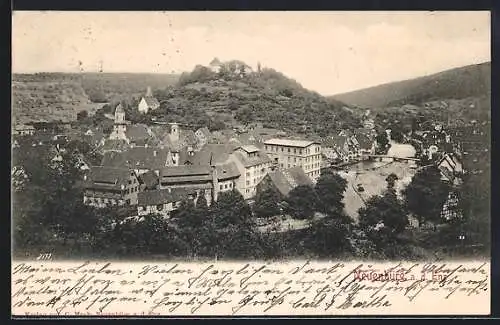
(253, 165)
(120, 125)
(148, 102)
(287, 153)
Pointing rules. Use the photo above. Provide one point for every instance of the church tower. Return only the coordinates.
(174, 132)
(120, 125)
(149, 93)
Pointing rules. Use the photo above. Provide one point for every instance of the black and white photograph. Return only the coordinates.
(226, 136)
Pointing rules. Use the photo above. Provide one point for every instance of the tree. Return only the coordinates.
(190, 222)
(245, 115)
(382, 143)
(391, 180)
(330, 189)
(82, 115)
(235, 235)
(201, 202)
(426, 194)
(386, 210)
(267, 203)
(302, 202)
(327, 237)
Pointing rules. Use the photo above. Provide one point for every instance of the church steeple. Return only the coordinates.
(120, 125)
(149, 93)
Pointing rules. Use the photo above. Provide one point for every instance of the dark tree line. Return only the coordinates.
(49, 214)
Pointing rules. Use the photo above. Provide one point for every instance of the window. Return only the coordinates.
(288, 149)
(282, 149)
(294, 150)
(129, 182)
(248, 183)
(294, 159)
(225, 186)
(128, 201)
(288, 165)
(230, 185)
(221, 187)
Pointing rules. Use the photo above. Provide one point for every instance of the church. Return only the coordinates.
(148, 102)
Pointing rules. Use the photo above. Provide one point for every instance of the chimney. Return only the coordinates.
(146, 145)
(154, 153)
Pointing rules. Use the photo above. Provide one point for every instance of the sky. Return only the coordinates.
(328, 52)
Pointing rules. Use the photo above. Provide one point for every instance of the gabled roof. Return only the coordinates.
(186, 174)
(186, 138)
(163, 196)
(215, 62)
(260, 158)
(151, 101)
(249, 148)
(287, 180)
(153, 158)
(119, 108)
(227, 171)
(336, 141)
(115, 145)
(205, 131)
(101, 177)
(218, 153)
(137, 132)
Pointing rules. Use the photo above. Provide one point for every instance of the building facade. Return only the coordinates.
(253, 165)
(287, 153)
(148, 102)
(106, 186)
(120, 125)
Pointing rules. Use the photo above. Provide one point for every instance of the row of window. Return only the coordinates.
(295, 151)
(225, 186)
(314, 173)
(307, 159)
(100, 201)
(250, 190)
(260, 172)
(132, 190)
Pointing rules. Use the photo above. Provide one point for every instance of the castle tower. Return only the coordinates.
(120, 125)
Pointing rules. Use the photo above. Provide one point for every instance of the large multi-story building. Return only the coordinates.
(107, 186)
(253, 165)
(288, 153)
(206, 180)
